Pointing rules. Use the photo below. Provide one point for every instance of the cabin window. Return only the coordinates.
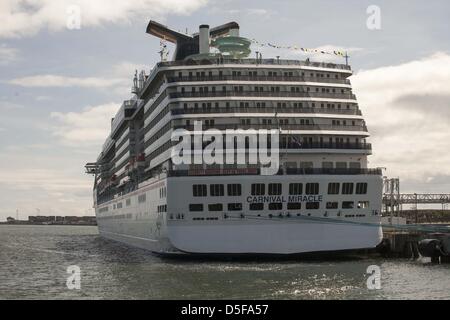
(295, 188)
(348, 205)
(275, 206)
(312, 205)
(294, 205)
(347, 188)
(312, 188)
(256, 206)
(215, 207)
(327, 165)
(363, 204)
(142, 198)
(196, 207)
(332, 205)
(341, 165)
(333, 188)
(361, 188)
(216, 190)
(235, 207)
(199, 190)
(274, 189)
(234, 189)
(258, 189)
(355, 165)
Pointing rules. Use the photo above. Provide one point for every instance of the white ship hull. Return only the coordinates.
(281, 232)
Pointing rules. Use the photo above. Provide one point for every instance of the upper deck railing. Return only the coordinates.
(266, 110)
(281, 171)
(286, 94)
(271, 62)
(260, 62)
(273, 126)
(257, 78)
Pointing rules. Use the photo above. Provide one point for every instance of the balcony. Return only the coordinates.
(265, 110)
(282, 171)
(212, 94)
(274, 62)
(282, 127)
(257, 78)
(327, 145)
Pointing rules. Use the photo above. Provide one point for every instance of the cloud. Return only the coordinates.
(407, 110)
(119, 79)
(49, 80)
(44, 176)
(258, 12)
(46, 188)
(249, 12)
(88, 127)
(27, 17)
(43, 98)
(8, 54)
(438, 105)
(7, 106)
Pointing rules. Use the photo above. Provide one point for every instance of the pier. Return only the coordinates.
(429, 234)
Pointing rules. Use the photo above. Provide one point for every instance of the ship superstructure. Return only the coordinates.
(323, 196)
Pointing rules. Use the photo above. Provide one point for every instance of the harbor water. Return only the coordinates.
(34, 262)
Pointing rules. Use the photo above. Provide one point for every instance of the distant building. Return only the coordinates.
(10, 220)
(41, 219)
(86, 220)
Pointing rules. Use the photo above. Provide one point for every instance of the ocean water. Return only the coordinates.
(34, 262)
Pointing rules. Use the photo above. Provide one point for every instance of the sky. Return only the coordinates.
(60, 84)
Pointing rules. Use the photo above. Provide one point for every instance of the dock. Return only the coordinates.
(414, 233)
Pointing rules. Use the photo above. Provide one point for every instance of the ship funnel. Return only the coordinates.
(234, 32)
(203, 40)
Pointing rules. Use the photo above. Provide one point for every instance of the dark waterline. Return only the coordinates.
(34, 261)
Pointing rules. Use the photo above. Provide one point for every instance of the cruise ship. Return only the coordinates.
(321, 197)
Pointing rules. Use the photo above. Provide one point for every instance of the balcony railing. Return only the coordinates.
(326, 145)
(280, 62)
(282, 171)
(302, 146)
(283, 127)
(257, 78)
(211, 94)
(265, 110)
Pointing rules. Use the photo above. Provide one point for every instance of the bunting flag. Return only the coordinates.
(307, 50)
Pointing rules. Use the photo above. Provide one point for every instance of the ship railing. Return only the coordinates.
(280, 62)
(175, 95)
(309, 145)
(159, 65)
(281, 171)
(108, 143)
(326, 145)
(257, 78)
(265, 110)
(283, 127)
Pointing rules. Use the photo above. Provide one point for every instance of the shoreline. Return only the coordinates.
(49, 224)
